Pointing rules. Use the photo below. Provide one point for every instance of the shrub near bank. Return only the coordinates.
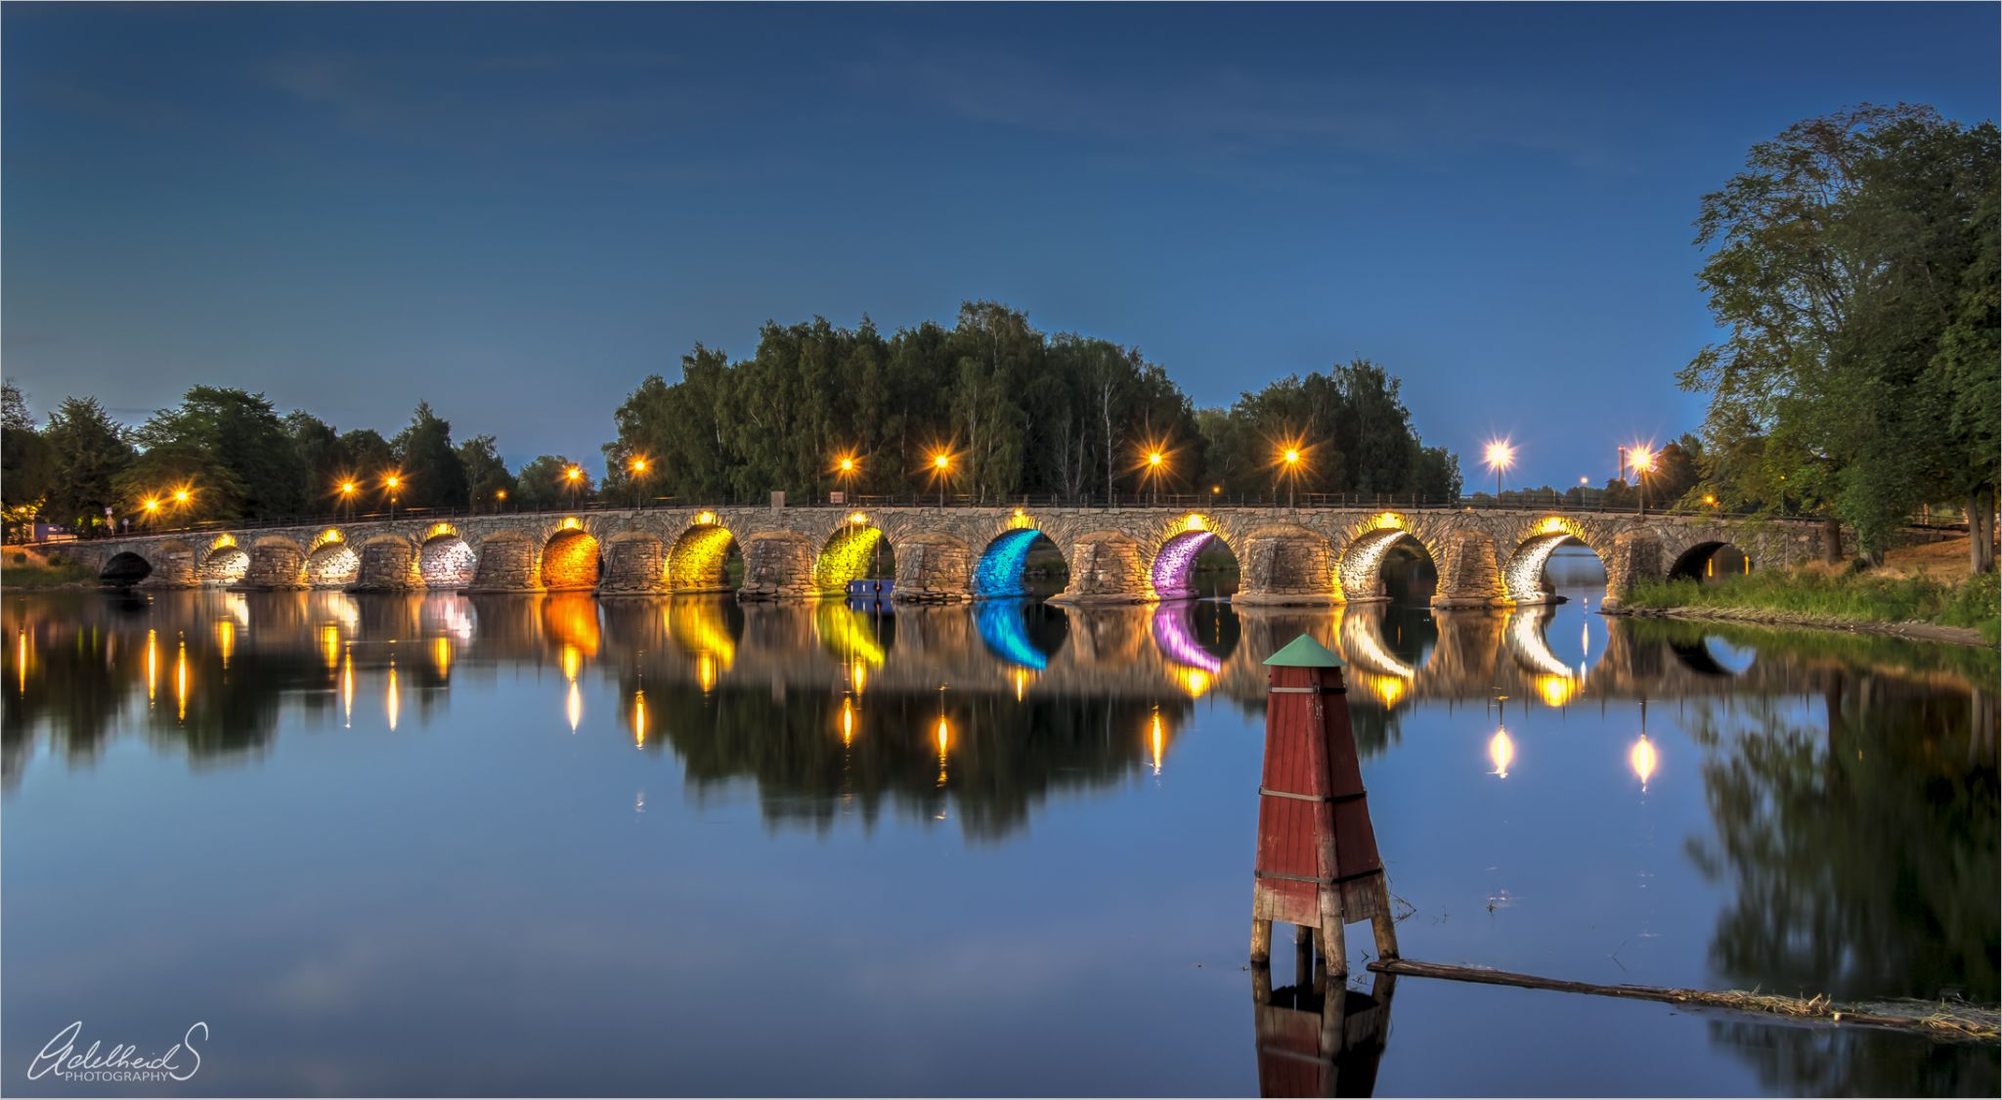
(1835, 597)
(26, 569)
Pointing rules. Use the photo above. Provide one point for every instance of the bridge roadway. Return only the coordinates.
(1286, 556)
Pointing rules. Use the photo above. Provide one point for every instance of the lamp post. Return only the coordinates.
(845, 469)
(1289, 460)
(394, 483)
(151, 506)
(500, 498)
(1642, 459)
(1157, 464)
(638, 469)
(573, 477)
(347, 490)
(941, 464)
(1500, 455)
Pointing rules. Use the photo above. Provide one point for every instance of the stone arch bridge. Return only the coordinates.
(1114, 555)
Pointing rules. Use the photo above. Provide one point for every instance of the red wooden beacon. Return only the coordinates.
(1317, 866)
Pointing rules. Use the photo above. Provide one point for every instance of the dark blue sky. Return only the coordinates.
(517, 212)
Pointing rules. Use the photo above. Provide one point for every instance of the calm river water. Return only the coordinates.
(556, 845)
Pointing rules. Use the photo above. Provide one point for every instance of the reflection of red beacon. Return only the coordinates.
(1317, 867)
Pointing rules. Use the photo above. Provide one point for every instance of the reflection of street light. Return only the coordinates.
(1500, 456)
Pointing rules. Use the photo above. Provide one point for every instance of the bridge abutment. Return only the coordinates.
(507, 563)
(635, 565)
(275, 566)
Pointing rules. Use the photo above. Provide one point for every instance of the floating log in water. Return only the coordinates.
(1947, 1020)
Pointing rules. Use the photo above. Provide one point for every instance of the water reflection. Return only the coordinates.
(1827, 807)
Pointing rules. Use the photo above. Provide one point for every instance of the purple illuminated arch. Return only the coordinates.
(1176, 561)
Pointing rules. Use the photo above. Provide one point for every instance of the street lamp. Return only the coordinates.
(1500, 456)
(1289, 464)
(1156, 465)
(573, 477)
(151, 505)
(845, 469)
(941, 465)
(347, 490)
(638, 468)
(1641, 458)
(500, 498)
(394, 483)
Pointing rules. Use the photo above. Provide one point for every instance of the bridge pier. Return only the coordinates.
(507, 563)
(933, 569)
(275, 566)
(1106, 567)
(388, 565)
(1470, 572)
(635, 565)
(1636, 554)
(778, 565)
(1286, 566)
(173, 567)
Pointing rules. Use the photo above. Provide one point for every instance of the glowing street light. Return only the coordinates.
(845, 469)
(347, 489)
(573, 477)
(151, 505)
(1500, 455)
(1290, 457)
(1641, 457)
(637, 467)
(941, 466)
(1154, 465)
(393, 481)
(500, 498)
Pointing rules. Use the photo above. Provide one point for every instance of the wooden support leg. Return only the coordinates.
(1334, 948)
(1303, 955)
(1386, 935)
(1261, 941)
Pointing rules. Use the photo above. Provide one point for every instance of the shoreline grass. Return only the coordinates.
(21, 569)
(1836, 597)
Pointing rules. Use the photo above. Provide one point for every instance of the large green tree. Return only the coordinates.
(229, 430)
(1841, 259)
(27, 466)
(486, 475)
(433, 474)
(89, 451)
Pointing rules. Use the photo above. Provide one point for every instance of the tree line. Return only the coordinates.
(1853, 268)
(1014, 411)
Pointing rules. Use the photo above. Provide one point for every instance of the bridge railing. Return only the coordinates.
(1509, 501)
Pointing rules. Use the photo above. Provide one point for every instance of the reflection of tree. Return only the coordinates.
(1864, 860)
(1002, 757)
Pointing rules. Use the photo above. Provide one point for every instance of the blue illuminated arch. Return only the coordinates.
(1000, 568)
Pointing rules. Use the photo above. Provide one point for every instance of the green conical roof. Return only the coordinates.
(1304, 652)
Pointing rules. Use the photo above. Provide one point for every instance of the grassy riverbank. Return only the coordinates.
(21, 569)
(1838, 599)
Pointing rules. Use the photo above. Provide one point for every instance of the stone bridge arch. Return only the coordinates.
(571, 558)
(445, 560)
(1368, 542)
(1532, 545)
(331, 562)
(1174, 546)
(698, 556)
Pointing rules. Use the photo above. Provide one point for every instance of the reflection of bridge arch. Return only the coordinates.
(1374, 664)
(1174, 632)
(697, 560)
(1524, 636)
(1003, 626)
(1361, 567)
